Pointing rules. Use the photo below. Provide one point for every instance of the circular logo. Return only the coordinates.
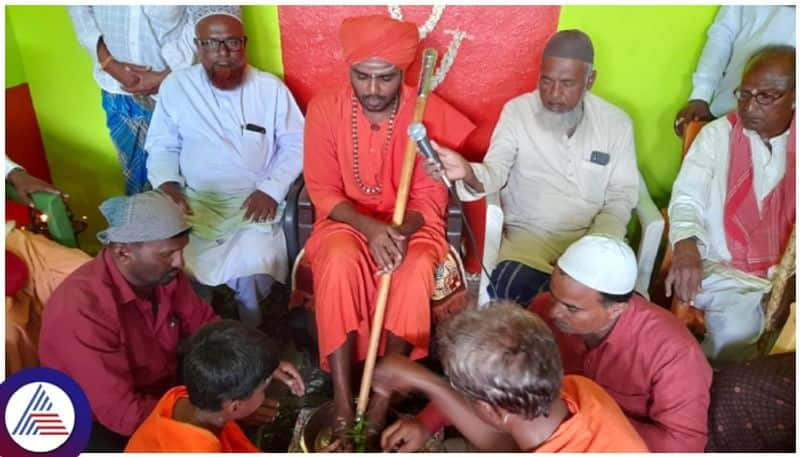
(45, 413)
(40, 416)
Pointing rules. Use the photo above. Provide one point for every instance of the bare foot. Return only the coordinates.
(376, 413)
(342, 425)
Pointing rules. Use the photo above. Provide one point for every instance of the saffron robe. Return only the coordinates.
(344, 272)
(161, 433)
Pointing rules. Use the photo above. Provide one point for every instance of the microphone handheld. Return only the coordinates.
(418, 133)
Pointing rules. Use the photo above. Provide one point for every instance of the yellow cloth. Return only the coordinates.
(48, 264)
(219, 216)
(787, 340)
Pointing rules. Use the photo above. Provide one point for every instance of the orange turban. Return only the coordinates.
(388, 39)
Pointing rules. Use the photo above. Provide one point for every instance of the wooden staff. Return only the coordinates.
(428, 63)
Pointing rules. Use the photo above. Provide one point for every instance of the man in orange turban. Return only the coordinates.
(355, 138)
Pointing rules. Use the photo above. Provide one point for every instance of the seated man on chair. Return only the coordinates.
(114, 324)
(564, 162)
(733, 207)
(355, 144)
(226, 142)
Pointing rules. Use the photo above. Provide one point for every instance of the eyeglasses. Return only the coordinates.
(762, 98)
(232, 43)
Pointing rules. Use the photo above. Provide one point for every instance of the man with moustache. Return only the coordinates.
(225, 143)
(733, 207)
(114, 324)
(355, 144)
(564, 162)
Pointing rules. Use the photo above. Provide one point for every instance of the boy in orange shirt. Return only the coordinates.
(226, 370)
(506, 388)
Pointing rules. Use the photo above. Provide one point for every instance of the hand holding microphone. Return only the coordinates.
(449, 163)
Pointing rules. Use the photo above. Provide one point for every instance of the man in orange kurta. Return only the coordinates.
(355, 140)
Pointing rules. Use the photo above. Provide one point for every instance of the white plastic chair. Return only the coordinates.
(650, 220)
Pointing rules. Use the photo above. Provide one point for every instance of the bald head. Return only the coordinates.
(766, 95)
(570, 44)
(778, 59)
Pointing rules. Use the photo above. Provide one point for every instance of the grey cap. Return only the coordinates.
(148, 216)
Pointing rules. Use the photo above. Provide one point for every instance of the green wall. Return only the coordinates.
(82, 159)
(645, 57)
(15, 72)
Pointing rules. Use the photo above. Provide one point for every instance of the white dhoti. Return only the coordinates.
(241, 262)
(734, 315)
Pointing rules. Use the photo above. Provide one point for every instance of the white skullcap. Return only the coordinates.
(198, 13)
(602, 262)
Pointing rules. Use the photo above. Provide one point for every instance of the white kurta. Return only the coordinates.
(551, 190)
(737, 32)
(150, 35)
(730, 298)
(197, 138)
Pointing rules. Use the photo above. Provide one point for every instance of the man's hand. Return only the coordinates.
(174, 191)
(259, 207)
(127, 74)
(406, 435)
(265, 413)
(387, 245)
(398, 374)
(147, 83)
(26, 184)
(288, 374)
(455, 166)
(685, 272)
(695, 110)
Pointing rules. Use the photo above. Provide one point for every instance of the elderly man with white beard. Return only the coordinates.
(564, 162)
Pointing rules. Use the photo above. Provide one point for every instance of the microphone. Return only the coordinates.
(419, 134)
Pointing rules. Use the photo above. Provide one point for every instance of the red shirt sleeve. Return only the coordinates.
(678, 414)
(432, 418)
(97, 358)
(321, 169)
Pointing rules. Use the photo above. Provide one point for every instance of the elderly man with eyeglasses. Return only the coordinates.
(733, 207)
(225, 143)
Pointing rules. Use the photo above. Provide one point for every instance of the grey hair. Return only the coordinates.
(503, 355)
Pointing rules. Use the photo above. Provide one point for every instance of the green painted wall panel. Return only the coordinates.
(263, 38)
(83, 161)
(15, 72)
(645, 57)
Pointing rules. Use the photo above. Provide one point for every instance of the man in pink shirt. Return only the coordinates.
(637, 351)
(114, 324)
